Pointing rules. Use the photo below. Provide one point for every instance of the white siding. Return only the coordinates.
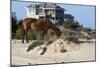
(32, 13)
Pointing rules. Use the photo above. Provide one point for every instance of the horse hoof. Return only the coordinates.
(27, 42)
(22, 41)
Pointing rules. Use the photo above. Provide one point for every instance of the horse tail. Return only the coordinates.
(22, 26)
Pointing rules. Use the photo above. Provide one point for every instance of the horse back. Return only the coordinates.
(40, 24)
(36, 24)
(27, 22)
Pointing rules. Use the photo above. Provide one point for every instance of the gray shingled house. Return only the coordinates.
(39, 10)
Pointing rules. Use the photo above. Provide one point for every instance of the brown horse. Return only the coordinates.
(42, 24)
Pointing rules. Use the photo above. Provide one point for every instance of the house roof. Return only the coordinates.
(46, 5)
(31, 6)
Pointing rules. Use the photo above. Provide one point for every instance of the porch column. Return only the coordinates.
(55, 17)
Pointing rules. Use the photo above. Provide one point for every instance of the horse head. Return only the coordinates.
(55, 28)
(58, 32)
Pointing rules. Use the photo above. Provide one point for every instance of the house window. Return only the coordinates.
(49, 12)
(31, 10)
(37, 11)
(53, 12)
(40, 11)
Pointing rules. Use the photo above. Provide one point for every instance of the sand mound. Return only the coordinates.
(52, 47)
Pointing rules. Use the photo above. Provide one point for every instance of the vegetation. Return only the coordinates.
(18, 34)
(14, 26)
(76, 30)
(20, 23)
(86, 30)
(69, 24)
(31, 35)
(71, 36)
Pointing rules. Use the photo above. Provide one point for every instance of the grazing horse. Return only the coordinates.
(42, 24)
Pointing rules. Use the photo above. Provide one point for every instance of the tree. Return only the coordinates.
(75, 25)
(20, 23)
(71, 24)
(68, 17)
(14, 24)
(86, 29)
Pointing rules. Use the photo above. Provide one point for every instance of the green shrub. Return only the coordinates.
(88, 37)
(69, 24)
(71, 36)
(31, 35)
(86, 30)
(18, 34)
(72, 39)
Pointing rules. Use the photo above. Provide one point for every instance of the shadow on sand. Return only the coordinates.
(39, 43)
(86, 41)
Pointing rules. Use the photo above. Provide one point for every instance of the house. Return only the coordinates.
(54, 12)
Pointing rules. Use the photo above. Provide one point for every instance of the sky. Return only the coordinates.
(85, 15)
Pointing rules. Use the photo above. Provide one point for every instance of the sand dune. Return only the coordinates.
(59, 51)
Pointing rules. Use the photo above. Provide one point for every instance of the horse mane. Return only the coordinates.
(31, 19)
(54, 28)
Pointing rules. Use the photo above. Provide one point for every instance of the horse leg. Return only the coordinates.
(46, 35)
(26, 36)
(43, 34)
(23, 33)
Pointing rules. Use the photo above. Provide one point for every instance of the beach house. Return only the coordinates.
(54, 12)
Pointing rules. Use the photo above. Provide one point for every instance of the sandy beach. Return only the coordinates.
(72, 52)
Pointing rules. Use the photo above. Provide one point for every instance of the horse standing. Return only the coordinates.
(42, 24)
